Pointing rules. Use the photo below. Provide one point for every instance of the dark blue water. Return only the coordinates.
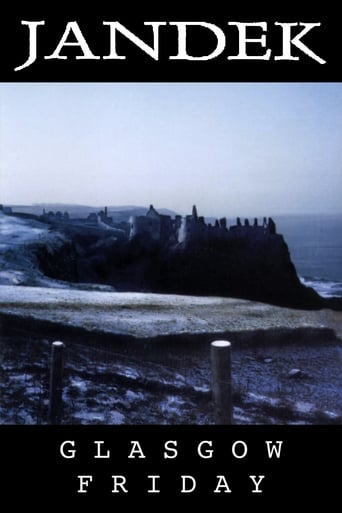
(315, 244)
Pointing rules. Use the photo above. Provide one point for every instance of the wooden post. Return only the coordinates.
(221, 381)
(56, 383)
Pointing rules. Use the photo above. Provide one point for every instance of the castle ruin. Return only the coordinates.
(193, 228)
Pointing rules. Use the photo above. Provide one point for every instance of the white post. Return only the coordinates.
(221, 381)
(56, 383)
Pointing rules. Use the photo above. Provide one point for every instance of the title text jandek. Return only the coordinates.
(188, 41)
(120, 483)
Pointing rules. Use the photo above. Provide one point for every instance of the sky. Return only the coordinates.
(233, 149)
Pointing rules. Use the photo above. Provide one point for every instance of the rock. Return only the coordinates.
(295, 373)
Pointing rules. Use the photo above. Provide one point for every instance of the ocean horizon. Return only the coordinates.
(315, 245)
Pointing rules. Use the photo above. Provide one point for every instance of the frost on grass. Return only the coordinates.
(147, 315)
(104, 387)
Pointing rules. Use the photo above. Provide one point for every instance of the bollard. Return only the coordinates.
(221, 381)
(56, 383)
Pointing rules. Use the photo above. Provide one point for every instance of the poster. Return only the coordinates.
(162, 457)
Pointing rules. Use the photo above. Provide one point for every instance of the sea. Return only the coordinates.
(315, 245)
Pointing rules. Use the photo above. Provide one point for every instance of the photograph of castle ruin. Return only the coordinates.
(170, 253)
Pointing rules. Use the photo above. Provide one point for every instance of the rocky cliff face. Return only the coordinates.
(258, 269)
(58, 262)
(248, 267)
(251, 268)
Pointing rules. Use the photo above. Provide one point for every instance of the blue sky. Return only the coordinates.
(248, 149)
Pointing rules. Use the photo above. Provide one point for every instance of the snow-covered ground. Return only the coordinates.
(295, 381)
(298, 380)
(18, 264)
(148, 315)
(19, 239)
(291, 384)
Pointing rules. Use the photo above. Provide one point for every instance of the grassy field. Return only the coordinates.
(145, 358)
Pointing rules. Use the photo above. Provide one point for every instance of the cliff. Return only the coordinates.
(246, 261)
(252, 268)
